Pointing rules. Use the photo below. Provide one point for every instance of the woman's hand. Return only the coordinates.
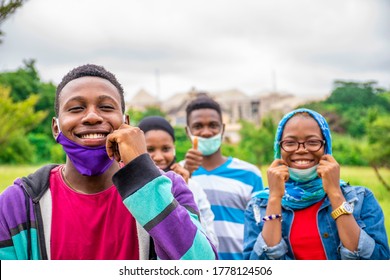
(329, 171)
(277, 175)
(177, 168)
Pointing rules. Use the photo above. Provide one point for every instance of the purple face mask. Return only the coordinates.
(89, 161)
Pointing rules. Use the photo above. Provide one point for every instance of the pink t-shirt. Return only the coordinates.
(304, 237)
(90, 226)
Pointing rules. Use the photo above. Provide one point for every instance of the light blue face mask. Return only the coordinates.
(303, 175)
(208, 146)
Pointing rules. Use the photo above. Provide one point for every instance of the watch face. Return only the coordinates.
(348, 207)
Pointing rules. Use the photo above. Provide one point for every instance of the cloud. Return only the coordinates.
(298, 46)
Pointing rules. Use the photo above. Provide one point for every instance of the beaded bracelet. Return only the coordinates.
(272, 217)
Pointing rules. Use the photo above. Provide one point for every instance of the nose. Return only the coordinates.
(92, 117)
(206, 132)
(157, 157)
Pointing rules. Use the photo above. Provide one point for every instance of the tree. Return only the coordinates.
(256, 143)
(182, 142)
(7, 8)
(136, 116)
(17, 119)
(379, 140)
(25, 81)
(350, 100)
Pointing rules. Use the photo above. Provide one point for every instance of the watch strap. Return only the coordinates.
(340, 211)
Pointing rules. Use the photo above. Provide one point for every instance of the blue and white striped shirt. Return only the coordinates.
(229, 188)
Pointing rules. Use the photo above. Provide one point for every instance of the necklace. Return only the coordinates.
(67, 182)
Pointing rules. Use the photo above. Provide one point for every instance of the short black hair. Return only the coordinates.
(88, 70)
(203, 102)
(156, 123)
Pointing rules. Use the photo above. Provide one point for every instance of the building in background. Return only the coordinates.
(235, 105)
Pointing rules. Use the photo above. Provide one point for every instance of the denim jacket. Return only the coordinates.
(373, 243)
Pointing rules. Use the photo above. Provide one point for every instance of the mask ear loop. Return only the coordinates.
(58, 124)
(124, 118)
(190, 134)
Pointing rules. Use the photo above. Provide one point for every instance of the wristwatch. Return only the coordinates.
(344, 209)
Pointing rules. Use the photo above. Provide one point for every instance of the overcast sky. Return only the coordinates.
(170, 46)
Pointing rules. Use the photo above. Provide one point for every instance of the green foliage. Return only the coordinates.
(355, 93)
(17, 150)
(182, 142)
(136, 116)
(378, 134)
(57, 154)
(43, 144)
(350, 101)
(348, 150)
(25, 82)
(35, 109)
(256, 145)
(46, 94)
(359, 113)
(17, 119)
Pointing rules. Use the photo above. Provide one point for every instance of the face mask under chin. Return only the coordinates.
(89, 161)
(303, 175)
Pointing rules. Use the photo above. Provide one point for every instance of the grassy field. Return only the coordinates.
(363, 176)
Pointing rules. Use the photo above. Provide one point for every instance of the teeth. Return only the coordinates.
(302, 162)
(92, 136)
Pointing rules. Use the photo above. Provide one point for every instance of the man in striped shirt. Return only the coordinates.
(228, 182)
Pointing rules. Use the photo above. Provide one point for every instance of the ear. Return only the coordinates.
(223, 130)
(55, 130)
(126, 119)
(187, 132)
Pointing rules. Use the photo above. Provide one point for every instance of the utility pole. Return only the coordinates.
(274, 88)
(157, 76)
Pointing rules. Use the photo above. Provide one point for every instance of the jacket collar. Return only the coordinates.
(37, 183)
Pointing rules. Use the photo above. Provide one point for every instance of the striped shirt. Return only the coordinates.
(229, 188)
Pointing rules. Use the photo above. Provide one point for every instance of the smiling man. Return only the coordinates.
(109, 198)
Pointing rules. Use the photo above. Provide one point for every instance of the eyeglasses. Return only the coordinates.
(310, 145)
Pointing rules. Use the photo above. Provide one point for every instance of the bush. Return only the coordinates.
(18, 150)
(43, 144)
(57, 154)
(349, 151)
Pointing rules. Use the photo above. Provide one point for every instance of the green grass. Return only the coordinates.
(363, 176)
(8, 173)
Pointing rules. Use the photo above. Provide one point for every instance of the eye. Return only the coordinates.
(313, 142)
(107, 107)
(150, 149)
(289, 143)
(214, 125)
(197, 126)
(75, 109)
(166, 149)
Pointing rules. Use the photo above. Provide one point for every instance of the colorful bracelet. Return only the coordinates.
(272, 217)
